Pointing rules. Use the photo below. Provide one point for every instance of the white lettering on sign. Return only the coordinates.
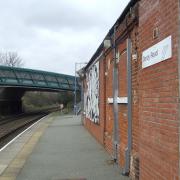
(157, 53)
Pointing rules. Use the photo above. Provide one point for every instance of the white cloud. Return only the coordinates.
(54, 34)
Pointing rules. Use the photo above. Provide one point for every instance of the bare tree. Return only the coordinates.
(11, 59)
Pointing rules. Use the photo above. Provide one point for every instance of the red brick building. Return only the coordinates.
(131, 90)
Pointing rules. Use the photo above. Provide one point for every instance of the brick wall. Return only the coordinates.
(108, 139)
(106, 91)
(97, 130)
(155, 95)
(123, 122)
(158, 94)
(134, 168)
(179, 80)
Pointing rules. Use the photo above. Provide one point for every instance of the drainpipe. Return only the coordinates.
(129, 147)
(82, 101)
(115, 104)
(104, 128)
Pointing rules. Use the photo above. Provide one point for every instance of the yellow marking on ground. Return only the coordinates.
(13, 169)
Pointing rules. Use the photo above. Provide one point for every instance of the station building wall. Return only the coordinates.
(155, 92)
(96, 128)
(158, 93)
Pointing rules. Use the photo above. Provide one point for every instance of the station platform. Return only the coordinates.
(56, 148)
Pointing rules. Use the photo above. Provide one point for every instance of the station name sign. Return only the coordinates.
(157, 53)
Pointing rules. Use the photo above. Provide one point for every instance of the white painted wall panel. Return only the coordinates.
(92, 94)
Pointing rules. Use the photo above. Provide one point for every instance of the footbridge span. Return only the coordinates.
(14, 82)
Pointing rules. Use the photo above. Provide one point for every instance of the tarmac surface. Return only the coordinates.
(57, 148)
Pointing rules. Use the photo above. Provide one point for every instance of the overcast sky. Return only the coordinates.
(52, 35)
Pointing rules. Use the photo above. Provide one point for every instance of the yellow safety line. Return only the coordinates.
(13, 169)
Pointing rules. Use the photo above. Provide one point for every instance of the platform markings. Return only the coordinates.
(13, 169)
(10, 142)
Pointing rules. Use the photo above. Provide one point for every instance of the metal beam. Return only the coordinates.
(34, 80)
(129, 78)
(115, 103)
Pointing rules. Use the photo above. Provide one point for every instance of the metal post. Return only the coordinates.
(115, 104)
(128, 150)
(75, 88)
(75, 95)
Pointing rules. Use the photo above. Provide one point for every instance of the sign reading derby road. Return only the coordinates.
(157, 53)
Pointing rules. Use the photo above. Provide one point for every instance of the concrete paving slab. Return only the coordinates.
(10, 161)
(2, 167)
(67, 151)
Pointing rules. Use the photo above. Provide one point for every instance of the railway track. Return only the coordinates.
(11, 127)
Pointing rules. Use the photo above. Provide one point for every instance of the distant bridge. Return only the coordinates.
(14, 82)
(41, 80)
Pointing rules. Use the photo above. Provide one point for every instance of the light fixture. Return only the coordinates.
(107, 42)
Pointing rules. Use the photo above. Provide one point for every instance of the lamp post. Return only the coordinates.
(75, 85)
(75, 89)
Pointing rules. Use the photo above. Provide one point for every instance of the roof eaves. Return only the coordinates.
(109, 34)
